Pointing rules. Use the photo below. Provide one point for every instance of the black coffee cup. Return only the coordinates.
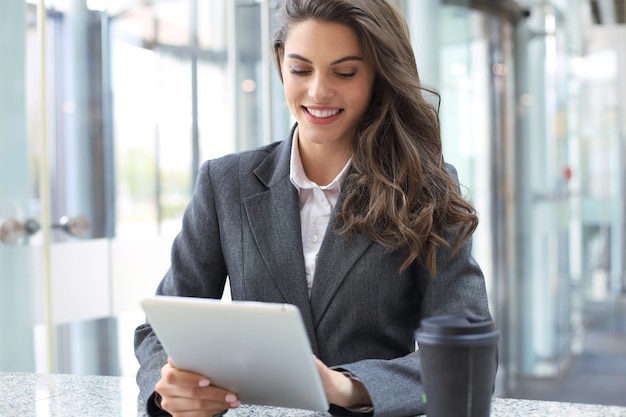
(458, 356)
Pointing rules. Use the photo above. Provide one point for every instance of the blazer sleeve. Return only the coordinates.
(395, 385)
(197, 270)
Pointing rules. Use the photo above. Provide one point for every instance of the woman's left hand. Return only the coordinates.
(342, 390)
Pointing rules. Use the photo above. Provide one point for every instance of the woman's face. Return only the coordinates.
(328, 85)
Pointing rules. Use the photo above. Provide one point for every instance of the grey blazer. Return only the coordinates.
(243, 222)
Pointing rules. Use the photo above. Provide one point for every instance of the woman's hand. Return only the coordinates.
(342, 390)
(186, 394)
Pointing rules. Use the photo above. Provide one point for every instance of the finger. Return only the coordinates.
(320, 365)
(186, 387)
(183, 402)
(322, 369)
(184, 399)
(176, 384)
(175, 376)
(177, 406)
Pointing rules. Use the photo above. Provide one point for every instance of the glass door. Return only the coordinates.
(57, 270)
(544, 196)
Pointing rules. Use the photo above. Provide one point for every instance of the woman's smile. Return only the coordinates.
(321, 116)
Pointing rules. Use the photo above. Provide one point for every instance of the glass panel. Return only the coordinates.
(174, 116)
(247, 64)
(215, 109)
(20, 140)
(134, 124)
(216, 101)
(601, 180)
(543, 198)
(172, 22)
(135, 24)
(466, 117)
(211, 25)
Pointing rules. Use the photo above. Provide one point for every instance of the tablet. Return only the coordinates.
(260, 351)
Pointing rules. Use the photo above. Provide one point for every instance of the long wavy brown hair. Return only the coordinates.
(399, 191)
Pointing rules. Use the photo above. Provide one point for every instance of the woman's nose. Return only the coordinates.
(320, 88)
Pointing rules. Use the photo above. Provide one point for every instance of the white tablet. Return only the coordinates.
(258, 350)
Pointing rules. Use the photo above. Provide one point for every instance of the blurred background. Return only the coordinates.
(108, 107)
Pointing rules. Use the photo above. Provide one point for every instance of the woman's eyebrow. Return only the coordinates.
(338, 61)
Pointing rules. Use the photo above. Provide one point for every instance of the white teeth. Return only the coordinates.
(322, 113)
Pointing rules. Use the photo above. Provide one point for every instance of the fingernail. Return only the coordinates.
(230, 398)
(203, 383)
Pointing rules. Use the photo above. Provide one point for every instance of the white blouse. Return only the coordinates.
(316, 206)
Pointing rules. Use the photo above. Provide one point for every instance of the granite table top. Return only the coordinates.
(59, 395)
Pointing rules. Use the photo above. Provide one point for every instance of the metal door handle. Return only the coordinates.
(11, 229)
(75, 226)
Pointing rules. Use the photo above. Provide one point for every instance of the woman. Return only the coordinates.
(355, 218)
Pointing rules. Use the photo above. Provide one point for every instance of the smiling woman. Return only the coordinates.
(355, 218)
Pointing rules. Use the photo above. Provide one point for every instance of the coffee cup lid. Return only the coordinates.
(457, 330)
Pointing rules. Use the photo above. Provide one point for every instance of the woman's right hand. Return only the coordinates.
(187, 394)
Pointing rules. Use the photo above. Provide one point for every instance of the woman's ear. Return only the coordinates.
(280, 54)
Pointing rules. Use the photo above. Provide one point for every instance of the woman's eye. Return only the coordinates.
(298, 72)
(346, 74)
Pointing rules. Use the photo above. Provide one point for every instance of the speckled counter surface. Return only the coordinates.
(46, 395)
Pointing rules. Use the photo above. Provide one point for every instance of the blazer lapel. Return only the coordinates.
(275, 223)
(335, 259)
(274, 218)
